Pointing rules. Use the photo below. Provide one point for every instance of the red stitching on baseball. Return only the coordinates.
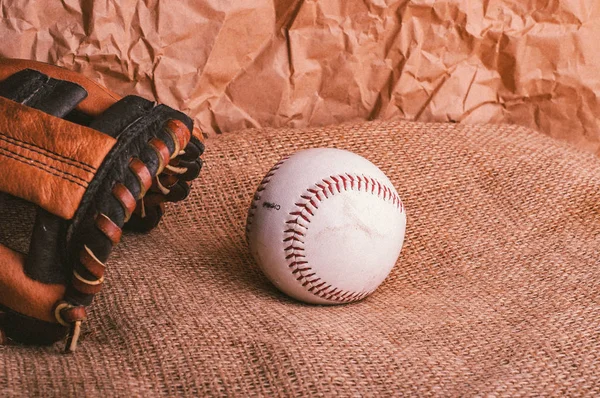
(304, 206)
(292, 231)
(294, 248)
(323, 289)
(294, 272)
(294, 255)
(343, 178)
(297, 261)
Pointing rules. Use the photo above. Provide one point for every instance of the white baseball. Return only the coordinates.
(326, 226)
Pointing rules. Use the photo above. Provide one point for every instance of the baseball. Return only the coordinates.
(326, 226)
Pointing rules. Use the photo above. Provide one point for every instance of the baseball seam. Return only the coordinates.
(305, 210)
(261, 187)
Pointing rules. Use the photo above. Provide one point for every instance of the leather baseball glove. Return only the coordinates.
(91, 163)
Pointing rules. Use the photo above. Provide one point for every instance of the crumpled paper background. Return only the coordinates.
(236, 64)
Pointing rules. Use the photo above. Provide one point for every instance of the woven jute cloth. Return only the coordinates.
(497, 289)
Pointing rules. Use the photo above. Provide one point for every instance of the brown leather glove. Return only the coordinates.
(91, 163)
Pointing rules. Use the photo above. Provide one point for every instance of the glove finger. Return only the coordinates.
(193, 150)
(192, 169)
(148, 221)
(178, 192)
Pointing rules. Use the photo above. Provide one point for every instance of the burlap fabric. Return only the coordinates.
(496, 290)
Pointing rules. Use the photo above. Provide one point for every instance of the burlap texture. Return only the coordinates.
(496, 289)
